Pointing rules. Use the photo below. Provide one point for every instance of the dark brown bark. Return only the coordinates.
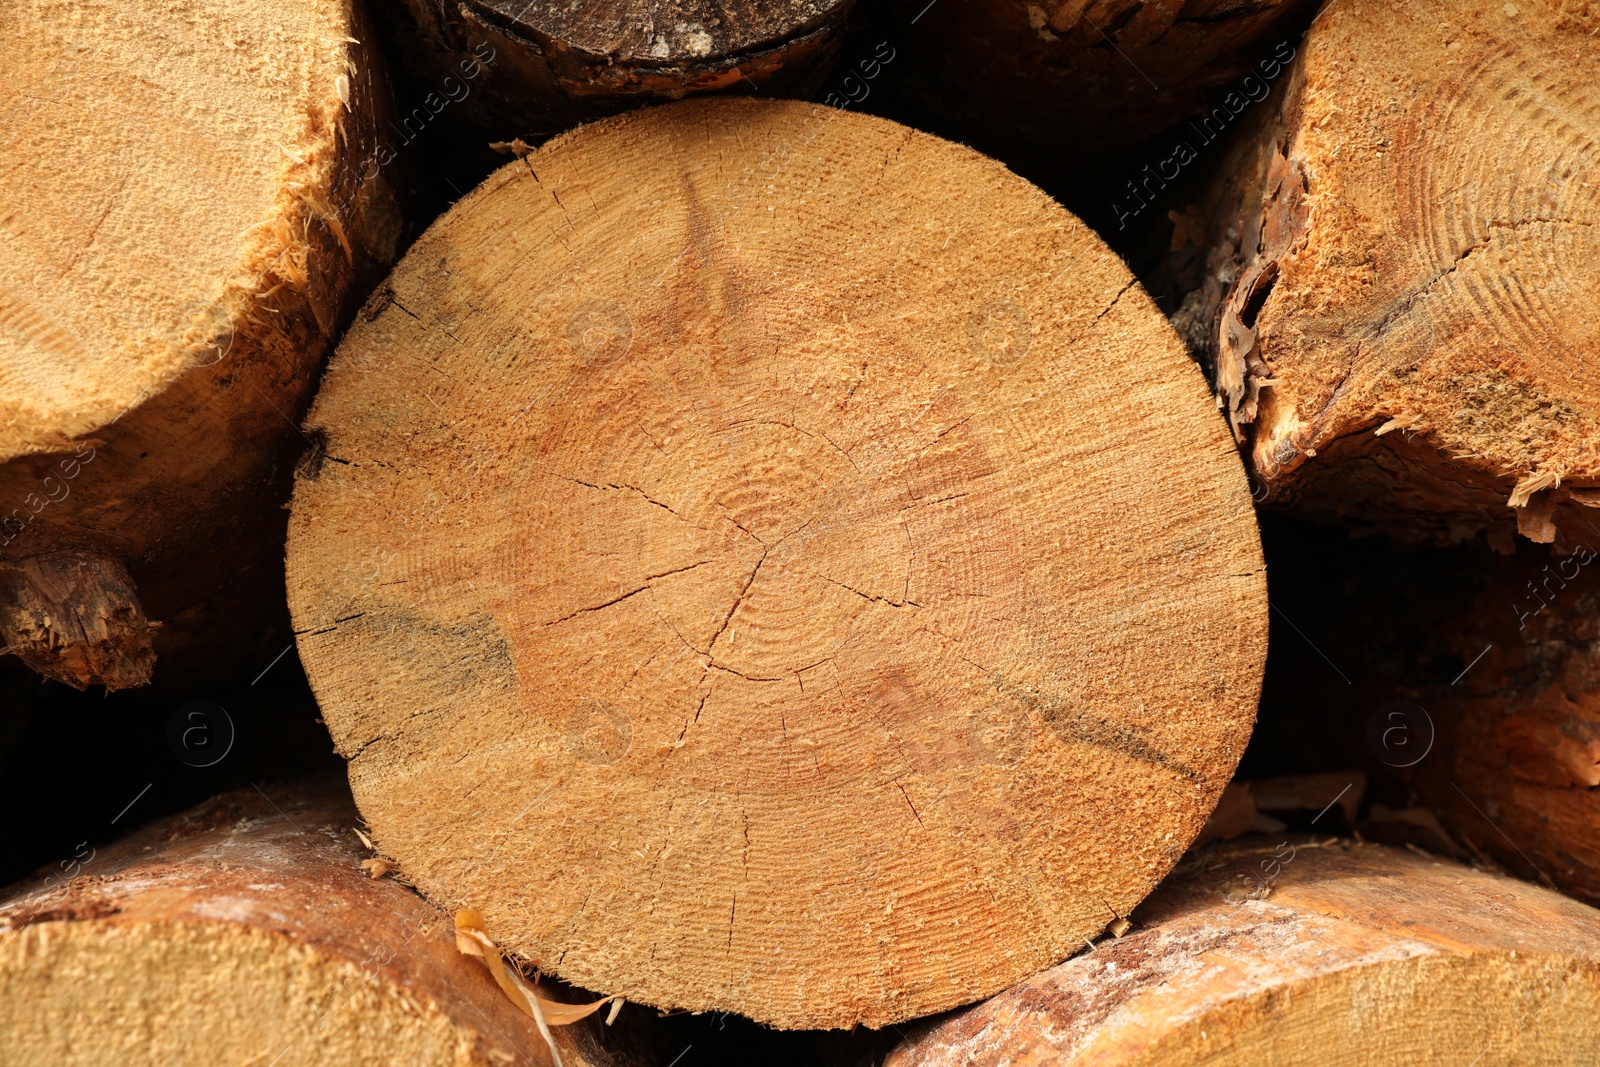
(529, 70)
(75, 618)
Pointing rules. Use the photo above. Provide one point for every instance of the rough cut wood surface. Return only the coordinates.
(1072, 80)
(245, 931)
(771, 560)
(525, 69)
(1399, 305)
(1355, 955)
(191, 198)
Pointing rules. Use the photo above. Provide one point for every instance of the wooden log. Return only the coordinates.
(717, 577)
(1395, 307)
(530, 70)
(1517, 761)
(1055, 83)
(1459, 679)
(76, 617)
(184, 240)
(246, 931)
(1294, 953)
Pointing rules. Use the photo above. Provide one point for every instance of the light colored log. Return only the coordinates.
(246, 931)
(193, 199)
(1284, 953)
(771, 560)
(1398, 303)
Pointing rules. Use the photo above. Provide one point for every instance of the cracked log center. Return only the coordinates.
(715, 580)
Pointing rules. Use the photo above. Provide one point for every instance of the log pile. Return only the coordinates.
(778, 584)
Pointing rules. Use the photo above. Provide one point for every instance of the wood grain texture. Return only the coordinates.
(1356, 954)
(1398, 304)
(772, 560)
(193, 200)
(533, 69)
(245, 931)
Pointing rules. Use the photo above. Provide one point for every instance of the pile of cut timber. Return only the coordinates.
(1398, 316)
(755, 557)
(765, 623)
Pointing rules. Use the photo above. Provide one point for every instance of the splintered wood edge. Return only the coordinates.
(474, 630)
(1449, 385)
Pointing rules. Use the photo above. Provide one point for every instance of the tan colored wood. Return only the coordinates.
(1071, 83)
(245, 931)
(1399, 301)
(192, 197)
(1286, 953)
(772, 560)
(515, 68)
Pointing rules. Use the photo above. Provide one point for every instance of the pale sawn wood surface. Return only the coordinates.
(771, 560)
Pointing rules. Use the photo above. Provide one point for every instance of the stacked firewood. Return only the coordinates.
(755, 556)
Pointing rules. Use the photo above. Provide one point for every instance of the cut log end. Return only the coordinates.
(128, 317)
(1447, 387)
(1298, 952)
(186, 242)
(760, 586)
(76, 618)
(244, 931)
